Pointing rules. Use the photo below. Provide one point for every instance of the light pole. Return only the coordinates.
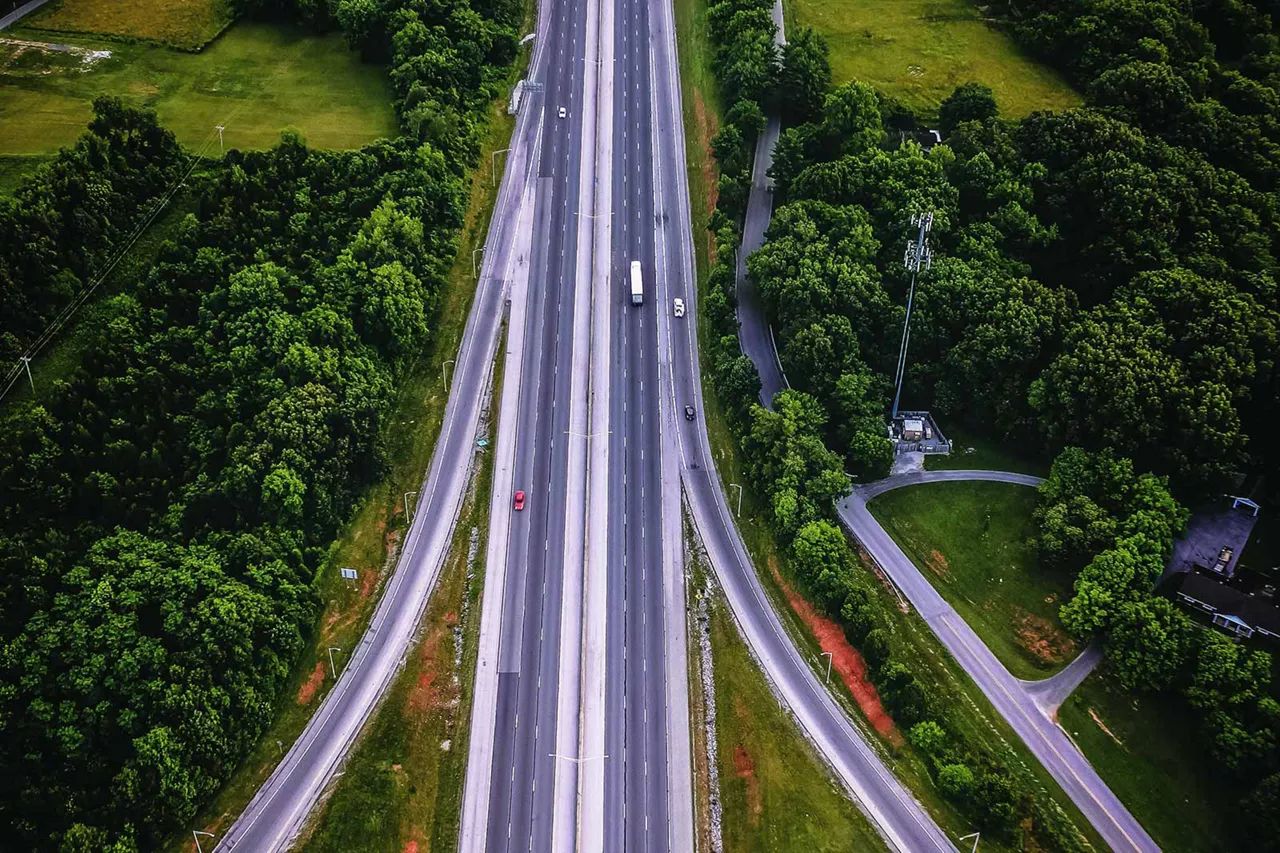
(26, 362)
(196, 833)
(221, 128)
(444, 376)
(332, 668)
(407, 513)
(975, 836)
(588, 435)
(474, 252)
(493, 165)
(739, 488)
(830, 657)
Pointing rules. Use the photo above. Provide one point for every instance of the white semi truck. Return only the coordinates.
(637, 284)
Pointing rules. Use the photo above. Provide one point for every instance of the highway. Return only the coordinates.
(903, 822)
(1010, 697)
(278, 810)
(647, 787)
(538, 633)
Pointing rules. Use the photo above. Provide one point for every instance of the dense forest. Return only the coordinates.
(1103, 280)
(164, 510)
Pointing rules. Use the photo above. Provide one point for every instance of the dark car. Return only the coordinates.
(688, 413)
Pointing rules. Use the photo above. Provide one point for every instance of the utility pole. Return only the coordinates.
(917, 255)
(26, 362)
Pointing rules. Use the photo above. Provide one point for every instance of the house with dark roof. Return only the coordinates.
(1237, 610)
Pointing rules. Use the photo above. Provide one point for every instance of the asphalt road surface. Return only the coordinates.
(1046, 740)
(900, 819)
(523, 773)
(278, 810)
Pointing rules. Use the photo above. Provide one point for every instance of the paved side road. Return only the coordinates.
(754, 333)
(1043, 737)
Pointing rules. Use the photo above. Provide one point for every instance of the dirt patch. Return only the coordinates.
(432, 692)
(744, 768)
(1043, 639)
(937, 563)
(312, 685)
(144, 89)
(846, 661)
(410, 847)
(1103, 726)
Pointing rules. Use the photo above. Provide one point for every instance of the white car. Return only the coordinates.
(562, 112)
(677, 307)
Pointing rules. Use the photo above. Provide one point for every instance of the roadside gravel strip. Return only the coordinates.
(279, 808)
(1046, 740)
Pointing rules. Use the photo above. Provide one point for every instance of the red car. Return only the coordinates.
(519, 502)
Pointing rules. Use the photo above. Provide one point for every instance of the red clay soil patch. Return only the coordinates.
(308, 690)
(938, 563)
(845, 660)
(1046, 642)
(410, 847)
(427, 694)
(745, 769)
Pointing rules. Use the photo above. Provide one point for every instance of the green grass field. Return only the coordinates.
(257, 79)
(970, 540)
(920, 50)
(14, 169)
(1147, 750)
(187, 24)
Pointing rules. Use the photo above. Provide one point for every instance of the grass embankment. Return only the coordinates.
(256, 80)
(1148, 751)
(370, 541)
(920, 50)
(402, 787)
(970, 540)
(975, 719)
(184, 24)
(970, 451)
(775, 791)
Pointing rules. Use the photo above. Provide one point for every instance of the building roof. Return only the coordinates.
(1249, 608)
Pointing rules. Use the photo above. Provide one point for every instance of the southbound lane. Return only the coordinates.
(636, 694)
(523, 771)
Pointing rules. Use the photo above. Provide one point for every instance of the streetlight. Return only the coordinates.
(975, 836)
(474, 252)
(493, 165)
(196, 833)
(444, 376)
(830, 657)
(739, 488)
(407, 513)
(333, 669)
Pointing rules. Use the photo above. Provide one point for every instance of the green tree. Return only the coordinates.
(969, 102)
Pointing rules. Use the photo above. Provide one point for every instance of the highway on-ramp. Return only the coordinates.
(1046, 740)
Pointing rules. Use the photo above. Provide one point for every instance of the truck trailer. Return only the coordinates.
(637, 284)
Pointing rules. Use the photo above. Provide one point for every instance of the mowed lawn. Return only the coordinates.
(920, 50)
(256, 79)
(183, 23)
(970, 540)
(1147, 749)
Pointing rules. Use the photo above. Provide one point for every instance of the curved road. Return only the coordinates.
(1046, 740)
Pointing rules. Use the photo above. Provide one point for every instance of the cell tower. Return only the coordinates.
(917, 255)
